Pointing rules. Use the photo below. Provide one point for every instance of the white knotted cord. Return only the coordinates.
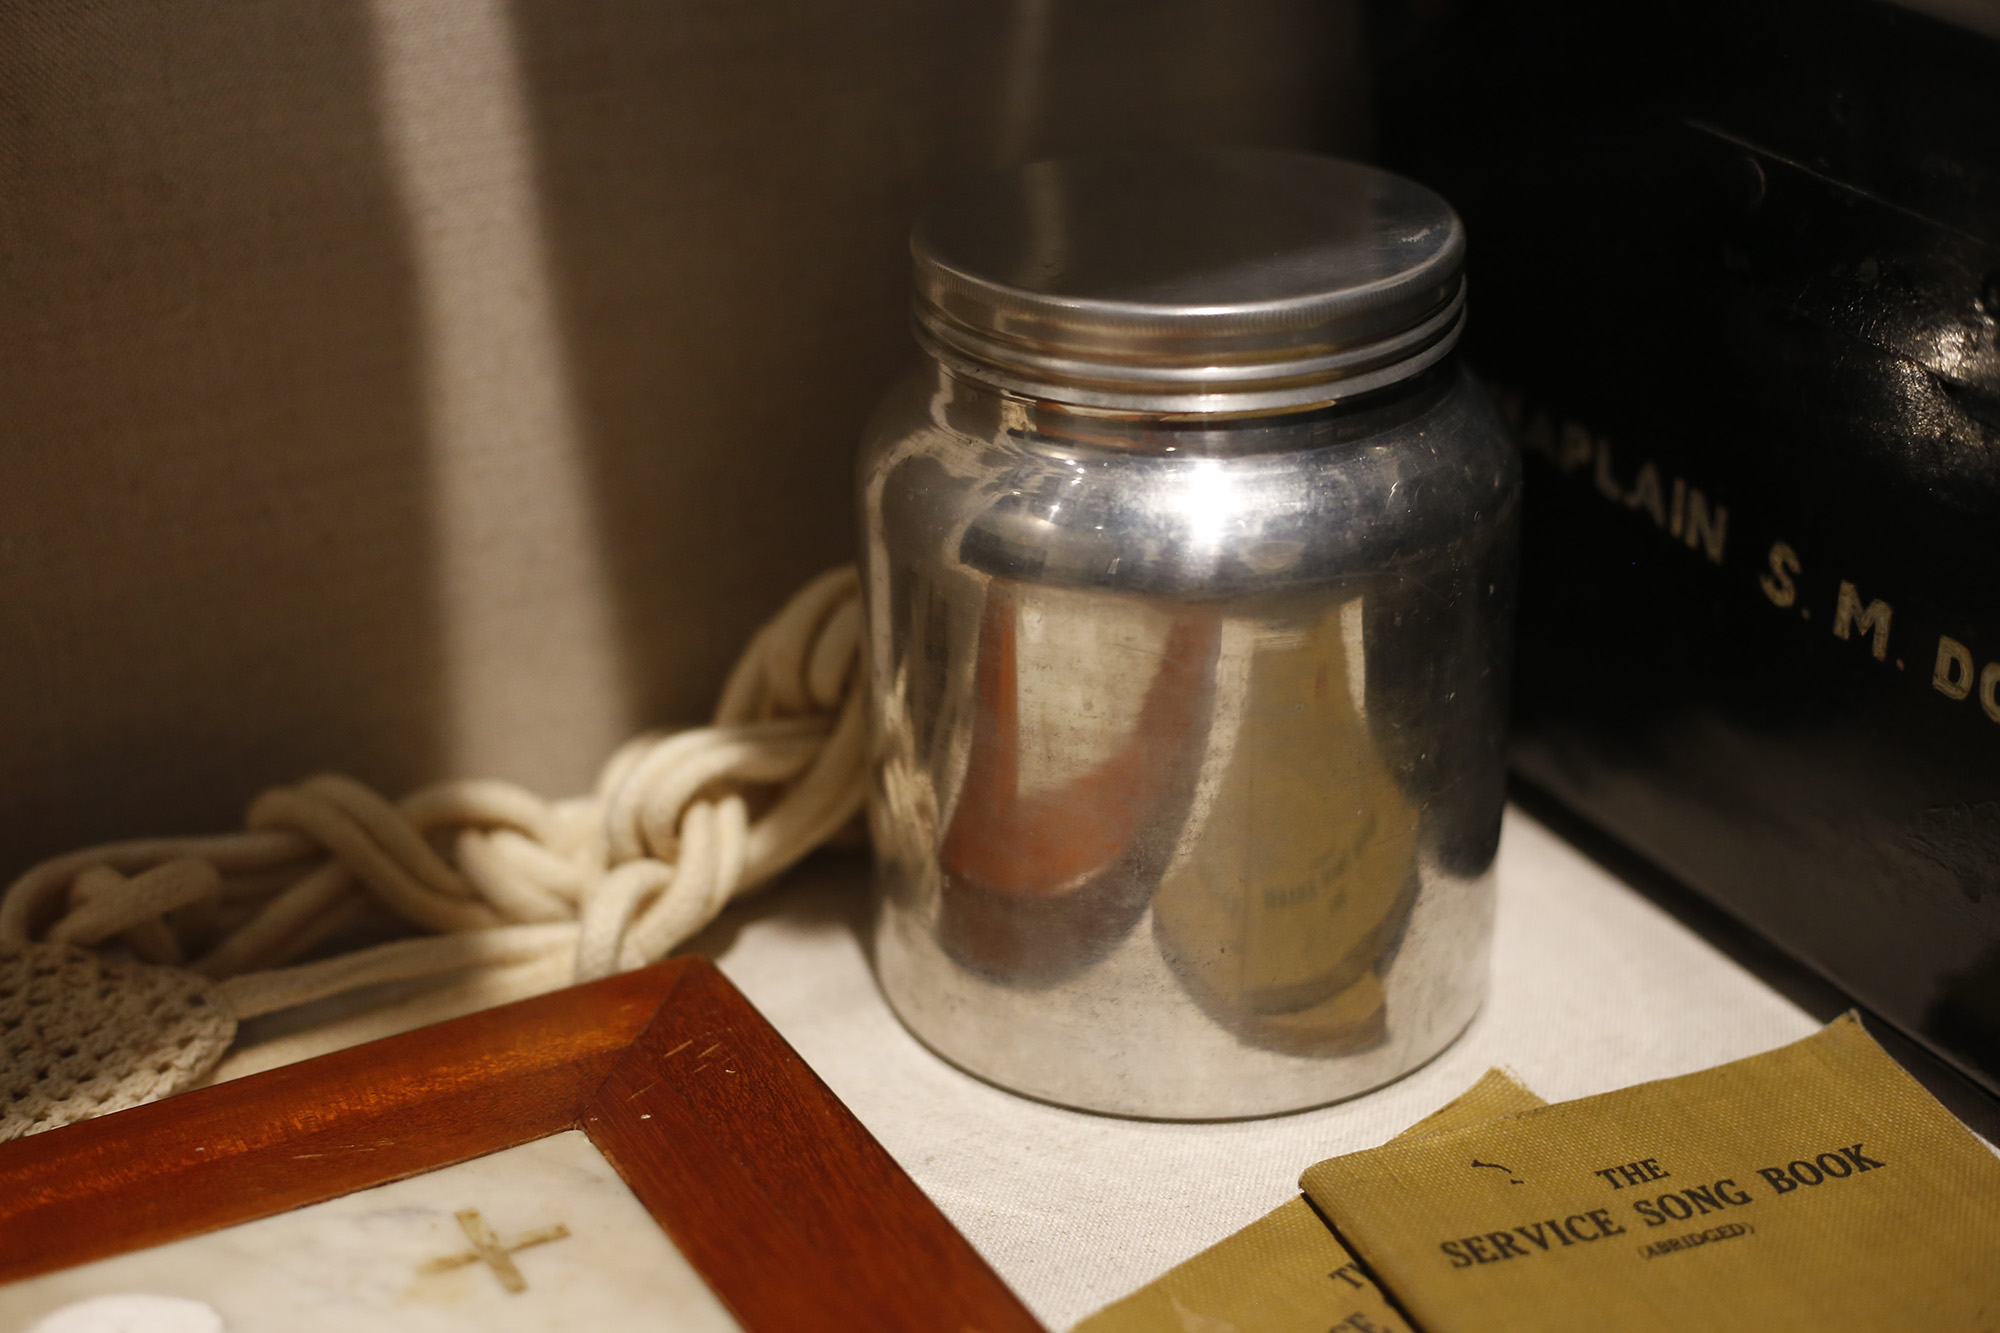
(524, 895)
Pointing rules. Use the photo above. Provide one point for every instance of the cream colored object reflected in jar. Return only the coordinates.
(1189, 565)
(1279, 934)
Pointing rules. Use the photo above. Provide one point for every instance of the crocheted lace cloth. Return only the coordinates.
(84, 1035)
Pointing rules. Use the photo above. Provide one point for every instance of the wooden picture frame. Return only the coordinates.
(789, 1209)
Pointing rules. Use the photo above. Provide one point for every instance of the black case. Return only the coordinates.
(1735, 270)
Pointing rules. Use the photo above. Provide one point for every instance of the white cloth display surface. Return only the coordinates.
(1594, 988)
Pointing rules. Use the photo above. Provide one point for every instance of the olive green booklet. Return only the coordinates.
(1816, 1186)
(1285, 1272)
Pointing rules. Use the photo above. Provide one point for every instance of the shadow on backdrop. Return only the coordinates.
(215, 560)
(435, 387)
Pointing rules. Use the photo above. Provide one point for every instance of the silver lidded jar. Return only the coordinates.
(1189, 561)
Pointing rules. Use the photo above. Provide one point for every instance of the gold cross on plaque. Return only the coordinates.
(487, 1249)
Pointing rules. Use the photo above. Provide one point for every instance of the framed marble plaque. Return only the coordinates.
(641, 1152)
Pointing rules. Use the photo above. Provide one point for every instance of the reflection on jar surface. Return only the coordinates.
(1188, 774)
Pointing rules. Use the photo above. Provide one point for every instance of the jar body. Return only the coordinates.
(1188, 764)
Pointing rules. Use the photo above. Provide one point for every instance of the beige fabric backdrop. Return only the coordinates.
(411, 387)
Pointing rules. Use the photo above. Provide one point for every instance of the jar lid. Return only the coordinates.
(1198, 281)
